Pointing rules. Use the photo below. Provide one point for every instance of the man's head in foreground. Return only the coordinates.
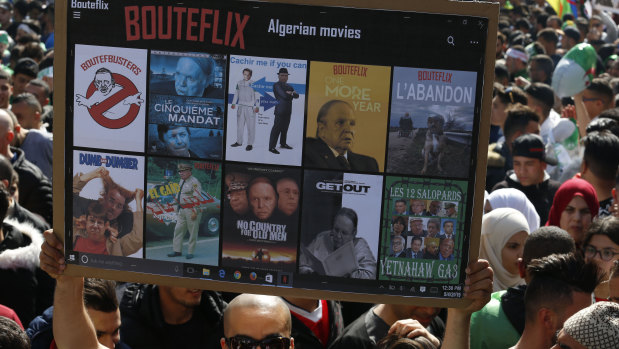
(257, 320)
(595, 327)
(561, 285)
(102, 308)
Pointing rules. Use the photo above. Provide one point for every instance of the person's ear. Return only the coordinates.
(522, 269)
(222, 341)
(9, 136)
(291, 343)
(614, 194)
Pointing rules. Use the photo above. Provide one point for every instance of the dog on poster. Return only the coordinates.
(435, 145)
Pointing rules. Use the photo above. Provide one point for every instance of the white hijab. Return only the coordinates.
(497, 227)
(514, 198)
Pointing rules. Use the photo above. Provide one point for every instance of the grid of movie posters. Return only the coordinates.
(418, 236)
(254, 157)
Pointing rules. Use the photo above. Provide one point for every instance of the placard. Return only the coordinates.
(281, 147)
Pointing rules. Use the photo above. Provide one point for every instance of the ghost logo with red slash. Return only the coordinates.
(112, 100)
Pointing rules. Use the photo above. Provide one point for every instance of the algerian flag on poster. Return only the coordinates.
(574, 71)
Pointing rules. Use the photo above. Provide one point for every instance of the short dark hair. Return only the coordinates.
(100, 294)
(448, 221)
(600, 124)
(26, 66)
(434, 221)
(543, 94)
(511, 95)
(348, 213)
(401, 200)
(546, 64)
(601, 153)
(4, 200)
(541, 19)
(29, 99)
(555, 18)
(546, 241)
(518, 117)
(523, 23)
(322, 112)
(33, 50)
(394, 341)
(163, 128)
(12, 335)
(548, 34)
(248, 70)
(400, 219)
(415, 237)
(40, 83)
(554, 279)
(601, 87)
(607, 226)
(500, 72)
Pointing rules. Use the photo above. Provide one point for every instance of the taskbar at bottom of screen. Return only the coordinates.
(263, 277)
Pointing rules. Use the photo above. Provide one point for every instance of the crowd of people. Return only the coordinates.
(549, 269)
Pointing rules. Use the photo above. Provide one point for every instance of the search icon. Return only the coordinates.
(450, 40)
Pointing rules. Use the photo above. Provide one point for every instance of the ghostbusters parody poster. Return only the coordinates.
(109, 99)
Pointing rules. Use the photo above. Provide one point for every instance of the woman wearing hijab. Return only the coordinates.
(503, 232)
(574, 206)
(514, 198)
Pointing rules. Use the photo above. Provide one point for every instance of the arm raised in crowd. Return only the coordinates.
(72, 325)
(477, 288)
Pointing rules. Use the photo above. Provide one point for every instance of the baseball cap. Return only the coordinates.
(531, 146)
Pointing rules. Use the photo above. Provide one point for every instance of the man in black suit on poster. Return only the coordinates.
(284, 93)
(334, 138)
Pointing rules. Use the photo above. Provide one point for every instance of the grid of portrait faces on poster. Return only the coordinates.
(321, 169)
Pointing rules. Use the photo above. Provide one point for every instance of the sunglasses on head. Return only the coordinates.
(244, 342)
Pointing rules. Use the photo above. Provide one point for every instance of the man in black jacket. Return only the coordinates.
(155, 316)
(529, 174)
(35, 190)
(10, 179)
(335, 136)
